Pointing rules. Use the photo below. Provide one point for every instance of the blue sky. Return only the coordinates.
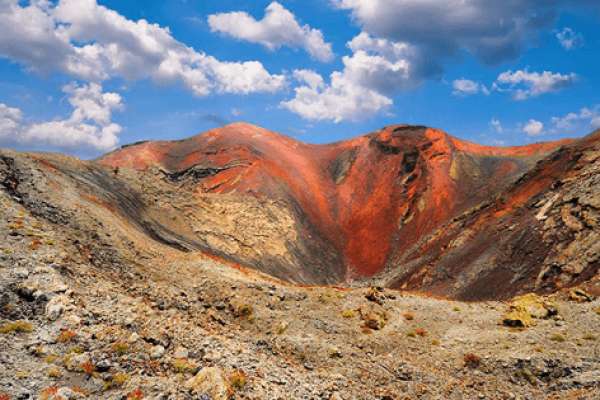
(82, 76)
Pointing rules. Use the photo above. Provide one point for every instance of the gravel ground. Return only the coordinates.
(89, 315)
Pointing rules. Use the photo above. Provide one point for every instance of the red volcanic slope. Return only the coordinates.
(371, 196)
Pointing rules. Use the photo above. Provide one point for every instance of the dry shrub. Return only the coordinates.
(472, 360)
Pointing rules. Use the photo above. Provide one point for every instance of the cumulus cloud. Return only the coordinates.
(585, 118)
(524, 84)
(496, 125)
(467, 87)
(340, 100)
(569, 39)
(10, 121)
(309, 77)
(533, 128)
(92, 42)
(89, 126)
(493, 31)
(279, 27)
(404, 42)
(376, 69)
(384, 65)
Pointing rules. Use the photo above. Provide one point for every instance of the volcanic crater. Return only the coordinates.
(406, 206)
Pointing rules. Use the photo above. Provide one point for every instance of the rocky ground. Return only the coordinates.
(82, 316)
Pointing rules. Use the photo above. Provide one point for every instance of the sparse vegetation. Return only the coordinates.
(137, 394)
(80, 390)
(244, 310)
(472, 360)
(50, 358)
(589, 336)
(421, 332)
(183, 366)
(76, 350)
(22, 374)
(416, 332)
(117, 380)
(374, 320)
(48, 393)
(557, 337)
(16, 327)
(120, 348)
(528, 376)
(35, 244)
(282, 327)
(334, 352)
(88, 368)
(54, 372)
(238, 380)
(66, 336)
(348, 313)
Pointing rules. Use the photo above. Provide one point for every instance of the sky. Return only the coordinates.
(86, 76)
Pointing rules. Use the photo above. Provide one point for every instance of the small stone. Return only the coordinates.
(181, 352)
(43, 270)
(157, 352)
(65, 393)
(103, 366)
(73, 320)
(21, 273)
(134, 337)
(76, 362)
(334, 352)
(580, 295)
(210, 382)
(56, 307)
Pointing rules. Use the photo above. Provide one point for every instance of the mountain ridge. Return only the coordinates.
(405, 206)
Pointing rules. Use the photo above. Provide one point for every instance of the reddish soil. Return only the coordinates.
(370, 197)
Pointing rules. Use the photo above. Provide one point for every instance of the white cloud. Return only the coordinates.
(309, 77)
(279, 27)
(467, 87)
(340, 100)
(586, 118)
(383, 65)
(533, 128)
(493, 31)
(10, 120)
(569, 39)
(93, 42)
(524, 84)
(496, 125)
(90, 125)
(377, 69)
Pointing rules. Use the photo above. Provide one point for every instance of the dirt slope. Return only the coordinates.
(541, 234)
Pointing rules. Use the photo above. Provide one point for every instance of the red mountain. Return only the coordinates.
(366, 200)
